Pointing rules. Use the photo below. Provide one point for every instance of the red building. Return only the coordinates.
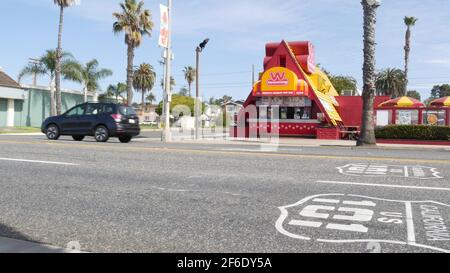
(295, 98)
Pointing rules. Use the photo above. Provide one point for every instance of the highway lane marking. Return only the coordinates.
(384, 185)
(410, 223)
(257, 153)
(38, 161)
(353, 219)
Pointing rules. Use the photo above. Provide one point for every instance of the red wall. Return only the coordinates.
(350, 108)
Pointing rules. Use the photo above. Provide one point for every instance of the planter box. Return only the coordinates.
(328, 133)
(414, 142)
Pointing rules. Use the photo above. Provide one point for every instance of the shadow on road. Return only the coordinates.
(13, 241)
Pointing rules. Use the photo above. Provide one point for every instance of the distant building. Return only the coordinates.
(23, 105)
(148, 114)
(12, 96)
(232, 107)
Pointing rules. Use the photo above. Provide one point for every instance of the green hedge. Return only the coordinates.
(419, 132)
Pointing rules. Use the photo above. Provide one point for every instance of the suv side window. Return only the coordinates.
(92, 109)
(107, 109)
(76, 111)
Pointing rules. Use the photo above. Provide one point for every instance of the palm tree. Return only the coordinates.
(88, 75)
(150, 98)
(409, 22)
(135, 22)
(62, 5)
(189, 74)
(144, 79)
(391, 82)
(47, 66)
(116, 90)
(370, 20)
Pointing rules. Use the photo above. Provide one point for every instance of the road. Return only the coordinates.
(151, 197)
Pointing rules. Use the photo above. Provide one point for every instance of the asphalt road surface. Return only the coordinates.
(150, 197)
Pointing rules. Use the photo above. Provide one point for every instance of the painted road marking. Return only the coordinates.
(358, 219)
(381, 170)
(38, 161)
(195, 151)
(385, 185)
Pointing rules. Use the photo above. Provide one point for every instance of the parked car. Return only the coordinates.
(100, 120)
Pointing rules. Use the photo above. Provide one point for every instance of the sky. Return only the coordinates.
(238, 31)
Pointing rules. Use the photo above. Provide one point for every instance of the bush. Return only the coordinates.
(416, 132)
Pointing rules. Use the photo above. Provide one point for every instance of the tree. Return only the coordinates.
(409, 22)
(178, 100)
(343, 83)
(224, 99)
(391, 82)
(47, 66)
(414, 94)
(189, 74)
(150, 98)
(370, 19)
(135, 22)
(62, 5)
(440, 91)
(87, 75)
(184, 92)
(116, 90)
(144, 79)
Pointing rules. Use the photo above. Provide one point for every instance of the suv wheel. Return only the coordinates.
(52, 132)
(78, 138)
(101, 134)
(125, 139)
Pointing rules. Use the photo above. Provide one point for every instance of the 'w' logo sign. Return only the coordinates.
(277, 78)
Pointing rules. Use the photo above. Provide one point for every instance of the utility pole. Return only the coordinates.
(198, 107)
(168, 93)
(253, 75)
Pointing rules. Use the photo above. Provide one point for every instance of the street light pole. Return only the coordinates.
(168, 87)
(198, 107)
(197, 88)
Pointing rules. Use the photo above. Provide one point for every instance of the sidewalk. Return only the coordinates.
(306, 142)
(8, 245)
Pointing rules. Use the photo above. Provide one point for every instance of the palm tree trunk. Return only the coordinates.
(85, 93)
(130, 74)
(52, 97)
(368, 126)
(407, 51)
(58, 62)
(190, 94)
(143, 100)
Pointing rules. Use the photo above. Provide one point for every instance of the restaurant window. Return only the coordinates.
(296, 113)
(434, 117)
(407, 117)
(383, 117)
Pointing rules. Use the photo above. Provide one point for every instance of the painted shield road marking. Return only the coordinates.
(381, 170)
(339, 218)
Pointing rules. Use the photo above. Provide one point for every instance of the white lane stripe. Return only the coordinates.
(410, 224)
(38, 161)
(385, 185)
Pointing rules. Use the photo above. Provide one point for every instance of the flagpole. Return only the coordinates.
(168, 95)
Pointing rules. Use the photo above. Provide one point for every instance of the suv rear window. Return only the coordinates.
(127, 111)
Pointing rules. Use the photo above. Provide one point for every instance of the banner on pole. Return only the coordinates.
(164, 29)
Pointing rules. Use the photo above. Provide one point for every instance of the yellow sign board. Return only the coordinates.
(328, 105)
(280, 81)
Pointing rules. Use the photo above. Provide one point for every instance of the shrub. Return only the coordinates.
(416, 132)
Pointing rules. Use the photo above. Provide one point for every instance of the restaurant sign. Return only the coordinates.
(280, 81)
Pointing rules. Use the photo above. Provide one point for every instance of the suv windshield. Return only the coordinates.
(127, 111)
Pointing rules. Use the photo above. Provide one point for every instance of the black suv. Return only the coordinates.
(101, 120)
